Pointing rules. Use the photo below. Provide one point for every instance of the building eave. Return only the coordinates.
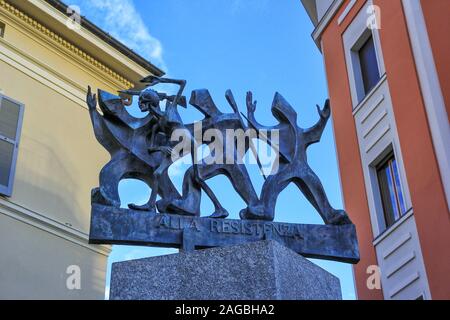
(106, 37)
(321, 25)
(89, 39)
(311, 10)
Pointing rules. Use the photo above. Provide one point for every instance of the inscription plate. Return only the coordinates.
(111, 225)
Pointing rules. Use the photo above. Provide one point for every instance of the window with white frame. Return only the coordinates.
(11, 114)
(366, 73)
(364, 59)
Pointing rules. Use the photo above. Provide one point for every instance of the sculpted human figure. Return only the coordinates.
(168, 121)
(293, 165)
(125, 138)
(220, 162)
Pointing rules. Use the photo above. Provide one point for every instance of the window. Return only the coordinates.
(10, 124)
(363, 56)
(369, 65)
(2, 29)
(390, 190)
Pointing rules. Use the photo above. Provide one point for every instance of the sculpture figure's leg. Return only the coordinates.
(189, 203)
(203, 172)
(312, 188)
(240, 179)
(219, 211)
(150, 205)
(194, 181)
(272, 187)
(167, 191)
(155, 186)
(164, 188)
(110, 176)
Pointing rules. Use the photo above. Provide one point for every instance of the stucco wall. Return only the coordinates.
(44, 226)
(34, 264)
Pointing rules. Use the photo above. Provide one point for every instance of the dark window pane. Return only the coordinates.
(369, 65)
(6, 156)
(9, 118)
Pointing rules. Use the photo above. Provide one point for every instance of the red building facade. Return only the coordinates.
(388, 71)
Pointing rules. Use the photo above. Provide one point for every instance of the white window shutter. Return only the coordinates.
(11, 114)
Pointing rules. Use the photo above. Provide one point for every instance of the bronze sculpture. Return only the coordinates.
(145, 148)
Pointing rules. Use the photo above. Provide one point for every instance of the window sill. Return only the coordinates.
(383, 235)
(369, 95)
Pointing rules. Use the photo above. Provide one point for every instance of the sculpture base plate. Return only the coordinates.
(111, 225)
(262, 270)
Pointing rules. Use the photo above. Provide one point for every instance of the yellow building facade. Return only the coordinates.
(45, 68)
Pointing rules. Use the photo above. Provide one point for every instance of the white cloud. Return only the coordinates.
(122, 20)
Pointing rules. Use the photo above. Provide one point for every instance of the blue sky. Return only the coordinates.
(259, 45)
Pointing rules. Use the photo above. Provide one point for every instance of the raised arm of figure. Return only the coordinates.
(313, 134)
(96, 117)
(152, 80)
(251, 107)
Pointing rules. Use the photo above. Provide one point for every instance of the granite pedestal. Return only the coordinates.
(262, 270)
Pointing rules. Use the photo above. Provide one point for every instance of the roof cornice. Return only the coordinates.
(104, 36)
(63, 43)
(86, 40)
(325, 21)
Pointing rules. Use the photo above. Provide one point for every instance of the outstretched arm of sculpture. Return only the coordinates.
(313, 134)
(251, 107)
(96, 117)
(152, 80)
